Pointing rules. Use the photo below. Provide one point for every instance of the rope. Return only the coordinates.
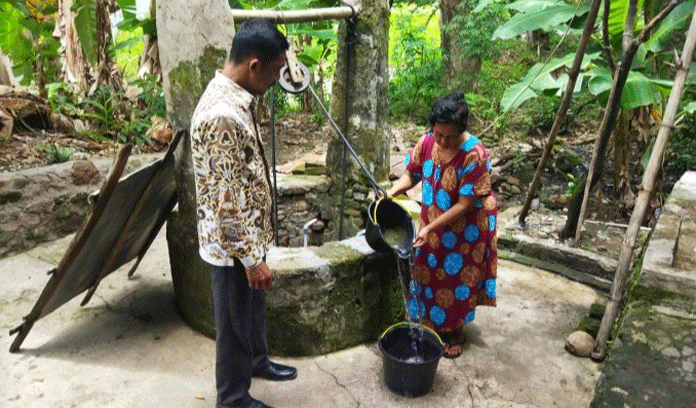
(350, 40)
(273, 159)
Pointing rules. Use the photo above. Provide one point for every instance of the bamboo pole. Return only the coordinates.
(605, 129)
(295, 16)
(563, 108)
(646, 191)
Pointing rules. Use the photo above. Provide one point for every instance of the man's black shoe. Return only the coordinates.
(275, 372)
(251, 404)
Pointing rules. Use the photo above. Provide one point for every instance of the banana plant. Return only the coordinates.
(26, 38)
(645, 85)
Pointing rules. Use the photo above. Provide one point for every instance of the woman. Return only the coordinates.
(454, 269)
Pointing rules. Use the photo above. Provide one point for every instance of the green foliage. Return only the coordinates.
(56, 154)
(544, 15)
(127, 50)
(496, 75)
(86, 27)
(319, 37)
(318, 118)
(150, 102)
(119, 118)
(472, 34)
(101, 106)
(644, 85)
(61, 98)
(28, 41)
(414, 62)
(574, 182)
(681, 155)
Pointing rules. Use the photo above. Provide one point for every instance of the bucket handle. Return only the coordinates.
(415, 324)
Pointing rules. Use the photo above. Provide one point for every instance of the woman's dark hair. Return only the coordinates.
(450, 108)
(260, 38)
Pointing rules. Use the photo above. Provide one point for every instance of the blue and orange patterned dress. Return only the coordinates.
(455, 270)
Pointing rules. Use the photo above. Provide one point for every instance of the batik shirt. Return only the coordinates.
(233, 188)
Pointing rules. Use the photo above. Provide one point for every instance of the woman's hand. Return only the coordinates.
(422, 237)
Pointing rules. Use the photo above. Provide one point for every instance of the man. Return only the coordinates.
(234, 199)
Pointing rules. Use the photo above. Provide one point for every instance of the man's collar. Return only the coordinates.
(238, 91)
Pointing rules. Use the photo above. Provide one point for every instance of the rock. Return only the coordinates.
(160, 131)
(20, 181)
(84, 172)
(132, 93)
(6, 123)
(292, 167)
(555, 202)
(566, 160)
(10, 197)
(512, 181)
(526, 147)
(579, 344)
(535, 204)
(61, 123)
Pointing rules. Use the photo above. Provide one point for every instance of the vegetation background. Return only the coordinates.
(510, 57)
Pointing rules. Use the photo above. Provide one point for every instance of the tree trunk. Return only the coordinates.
(562, 109)
(622, 172)
(105, 72)
(149, 63)
(630, 46)
(75, 65)
(647, 189)
(454, 63)
(4, 71)
(537, 40)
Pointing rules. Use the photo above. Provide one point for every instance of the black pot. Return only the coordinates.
(383, 215)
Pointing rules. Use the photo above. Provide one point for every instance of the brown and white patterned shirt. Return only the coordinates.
(233, 188)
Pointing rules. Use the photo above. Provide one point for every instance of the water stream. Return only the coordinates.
(404, 264)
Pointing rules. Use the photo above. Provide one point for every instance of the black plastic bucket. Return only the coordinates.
(405, 372)
(385, 216)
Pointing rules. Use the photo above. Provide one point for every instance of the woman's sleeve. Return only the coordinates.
(414, 160)
(475, 177)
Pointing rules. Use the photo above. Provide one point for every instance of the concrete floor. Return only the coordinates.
(128, 348)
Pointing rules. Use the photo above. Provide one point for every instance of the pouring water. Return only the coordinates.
(395, 238)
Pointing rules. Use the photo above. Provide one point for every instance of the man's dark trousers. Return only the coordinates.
(240, 326)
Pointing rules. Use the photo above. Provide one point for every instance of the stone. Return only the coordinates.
(20, 182)
(580, 344)
(512, 181)
(314, 291)
(84, 172)
(318, 225)
(10, 197)
(525, 147)
(566, 160)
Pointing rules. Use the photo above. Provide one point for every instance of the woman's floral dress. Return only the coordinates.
(455, 270)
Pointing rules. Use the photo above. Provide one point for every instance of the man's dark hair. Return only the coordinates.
(450, 108)
(260, 38)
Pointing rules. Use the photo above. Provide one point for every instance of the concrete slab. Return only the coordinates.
(128, 348)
